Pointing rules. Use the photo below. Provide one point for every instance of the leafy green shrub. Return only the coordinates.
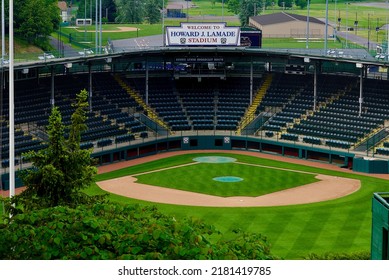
(114, 231)
(339, 256)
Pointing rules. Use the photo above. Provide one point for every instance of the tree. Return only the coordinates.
(285, 3)
(233, 6)
(35, 20)
(269, 4)
(114, 231)
(130, 11)
(301, 3)
(137, 11)
(108, 8)
(153, 11)
(63, 169)
(249, 8)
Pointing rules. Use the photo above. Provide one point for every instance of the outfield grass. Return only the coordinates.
(341, 225)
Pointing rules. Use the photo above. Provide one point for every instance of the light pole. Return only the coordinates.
(163, 23)
(85, 20)
(368, 32)
(222, 10)
(96, 33)
(356, 23)
(187, 11)
(334, 31)
(101, 27)
(2, 32)
(346, 25)
(387, 34)
(11, 102)
(307, 41)
(339, 20)
(326, 30)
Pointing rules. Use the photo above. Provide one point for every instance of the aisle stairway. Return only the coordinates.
(250, 113)
(149, 111)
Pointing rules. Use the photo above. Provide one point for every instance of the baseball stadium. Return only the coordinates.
(289, 143)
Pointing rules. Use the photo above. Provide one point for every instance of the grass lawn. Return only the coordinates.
(341, 225)
(367, 17)
(298, 43)
(206, 7)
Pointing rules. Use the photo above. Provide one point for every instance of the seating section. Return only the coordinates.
(336, 122)
(24, 142)
(112, 113)
(233, 100)
(167, 104)
(189, 104)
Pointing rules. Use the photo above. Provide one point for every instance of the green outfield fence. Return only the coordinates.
(380, 227)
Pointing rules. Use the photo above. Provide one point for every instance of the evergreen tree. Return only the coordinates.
(63, 169)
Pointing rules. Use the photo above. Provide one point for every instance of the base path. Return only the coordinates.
(328, 188)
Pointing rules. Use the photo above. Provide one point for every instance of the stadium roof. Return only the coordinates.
(282, 18)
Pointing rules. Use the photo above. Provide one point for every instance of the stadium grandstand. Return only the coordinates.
(308, 104)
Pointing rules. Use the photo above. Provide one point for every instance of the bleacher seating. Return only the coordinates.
(212, 104)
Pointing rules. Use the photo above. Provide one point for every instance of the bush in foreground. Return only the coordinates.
(113, 231)
(339, 256)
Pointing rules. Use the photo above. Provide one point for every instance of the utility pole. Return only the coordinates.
(307, 41)
(368, 32)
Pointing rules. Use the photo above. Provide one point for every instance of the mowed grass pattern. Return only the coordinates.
(342, 225)
(199, 178)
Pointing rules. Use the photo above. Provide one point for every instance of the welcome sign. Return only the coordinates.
(202, 34)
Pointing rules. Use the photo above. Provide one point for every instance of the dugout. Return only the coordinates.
(370, 165)
(380, 227)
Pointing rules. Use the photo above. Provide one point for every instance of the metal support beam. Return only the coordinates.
(147, 82)
(361, 92)
(90, 87)
(315, 89)
(251, 81)
(52, 99)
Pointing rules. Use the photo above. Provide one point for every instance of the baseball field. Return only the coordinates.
(304, 206)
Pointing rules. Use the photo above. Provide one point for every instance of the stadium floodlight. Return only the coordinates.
(163, 24)
(222, 10)
(307, 59)
(307, 40)
(326, 29)
(2, 31)
(359, 65)
(11, 102)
